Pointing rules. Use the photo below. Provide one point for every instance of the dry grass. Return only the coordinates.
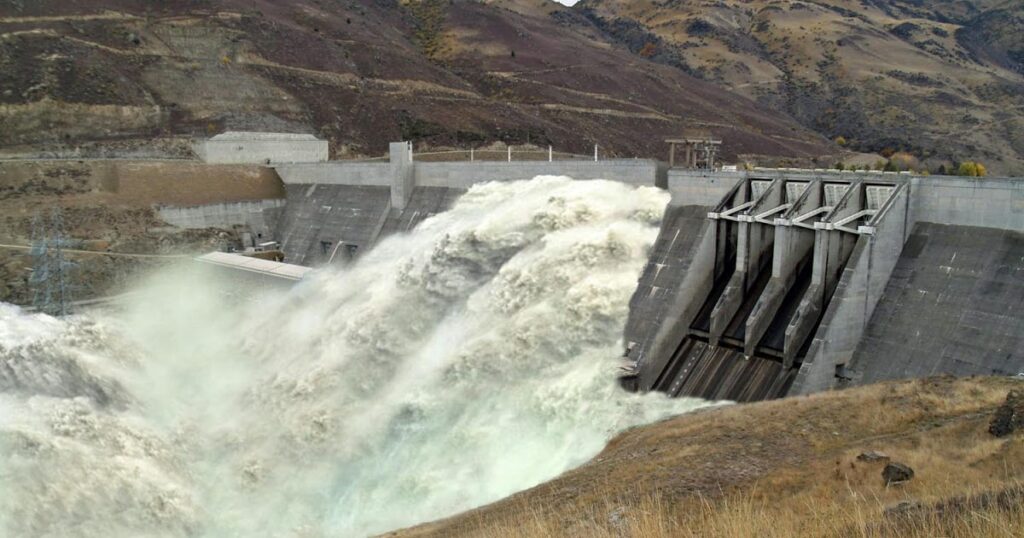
(750, 516)
(786, 468)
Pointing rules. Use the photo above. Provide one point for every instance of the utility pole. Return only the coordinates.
(51, 271)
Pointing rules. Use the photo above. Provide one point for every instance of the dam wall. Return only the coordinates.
(258, 216)
(953, 305)
(376, 174)
(337, 209)
(321, 222)
(463, 175)
(805, 280)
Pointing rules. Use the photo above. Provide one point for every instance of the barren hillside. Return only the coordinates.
(942, 80)
(360, 73)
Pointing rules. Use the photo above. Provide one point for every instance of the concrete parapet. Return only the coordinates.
(466, 174)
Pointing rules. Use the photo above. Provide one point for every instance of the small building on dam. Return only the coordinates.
(761, 284)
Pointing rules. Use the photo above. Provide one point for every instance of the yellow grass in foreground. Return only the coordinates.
(787, 468)
(745, 517)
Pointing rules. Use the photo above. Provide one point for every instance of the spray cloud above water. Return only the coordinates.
(449, 367)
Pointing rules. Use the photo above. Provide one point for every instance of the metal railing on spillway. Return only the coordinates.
(507, 154)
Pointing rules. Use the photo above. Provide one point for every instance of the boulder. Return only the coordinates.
(872, 456)
(896, 473)
(1010, 416)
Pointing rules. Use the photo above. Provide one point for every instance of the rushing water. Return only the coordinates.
(447, 368)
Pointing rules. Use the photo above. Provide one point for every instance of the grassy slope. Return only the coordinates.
(944, 80)
(781, 468)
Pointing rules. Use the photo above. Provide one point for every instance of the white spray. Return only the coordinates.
(447, 368)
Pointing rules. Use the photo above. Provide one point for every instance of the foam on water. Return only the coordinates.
(447, 368)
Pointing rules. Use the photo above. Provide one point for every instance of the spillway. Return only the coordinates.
(769, 282)
(451, 365)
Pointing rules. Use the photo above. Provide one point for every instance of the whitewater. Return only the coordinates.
(448, 367)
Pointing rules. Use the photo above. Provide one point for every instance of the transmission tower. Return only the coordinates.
(50, 280)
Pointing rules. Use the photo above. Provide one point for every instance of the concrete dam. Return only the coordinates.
(775, 282)
(761, 283)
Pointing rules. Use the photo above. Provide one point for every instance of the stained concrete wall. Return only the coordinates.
(859, 289)
(360, 202)
(658, 288)
(259, 217)
(699, 187)
(350, 214)
(682, 303)
(424, 203)
(985, 202)
(337, 173)
(952, 306)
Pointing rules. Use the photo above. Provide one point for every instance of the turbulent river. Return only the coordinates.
(448, 367)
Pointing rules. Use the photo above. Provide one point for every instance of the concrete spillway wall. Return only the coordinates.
(849, 283)
(259, 216)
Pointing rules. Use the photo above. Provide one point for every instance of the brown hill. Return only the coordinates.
(942, 80)
(360, 73)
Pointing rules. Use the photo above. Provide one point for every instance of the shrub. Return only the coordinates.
(971, 169)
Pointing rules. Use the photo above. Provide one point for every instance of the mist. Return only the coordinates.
(444, 369)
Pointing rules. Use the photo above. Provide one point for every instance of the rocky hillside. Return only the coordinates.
(361, 73)
(941, 80)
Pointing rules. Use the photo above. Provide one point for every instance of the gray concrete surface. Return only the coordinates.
(377, 174)
(954, 305)
(667, 279)
(259, 217)
(237, 147)
(424, 203)
(318, 218)
(963, 201)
